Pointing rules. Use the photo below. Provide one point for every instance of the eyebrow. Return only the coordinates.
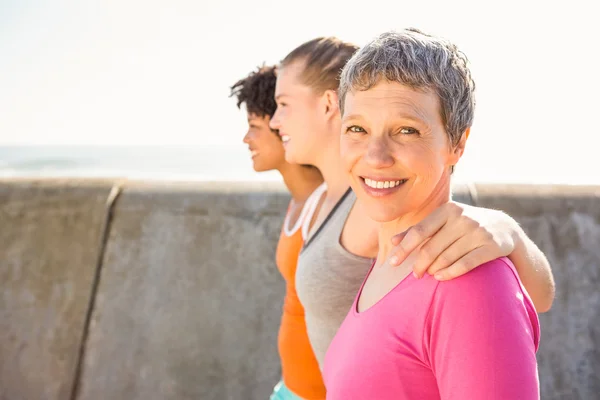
(277, 97)
(250, 119)
(418, 120)
(397, 115)
(351, 117)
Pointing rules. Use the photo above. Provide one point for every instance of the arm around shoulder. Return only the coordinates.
(533, 269)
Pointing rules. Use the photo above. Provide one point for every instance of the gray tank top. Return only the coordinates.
(328, 278)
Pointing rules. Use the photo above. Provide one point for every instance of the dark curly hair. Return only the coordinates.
(257, 91)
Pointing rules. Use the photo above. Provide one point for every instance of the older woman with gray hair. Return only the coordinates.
(407, 103)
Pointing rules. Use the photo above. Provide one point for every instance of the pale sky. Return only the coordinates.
(158, 72)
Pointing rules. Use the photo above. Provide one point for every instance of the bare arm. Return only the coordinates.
(533, 269)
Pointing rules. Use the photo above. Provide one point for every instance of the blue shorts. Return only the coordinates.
(281, 392)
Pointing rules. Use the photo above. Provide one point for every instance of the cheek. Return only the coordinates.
(350, 153)
(263, 137)
(345, 155)
(290, 120)
(270, 140)
(421, 159)
(304, 115)
(281, 116)
(307, 115)
(276, 141)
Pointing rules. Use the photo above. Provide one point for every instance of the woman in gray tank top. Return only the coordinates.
(454, 239)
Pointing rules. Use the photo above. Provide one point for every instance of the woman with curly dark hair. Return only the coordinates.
(300, 370)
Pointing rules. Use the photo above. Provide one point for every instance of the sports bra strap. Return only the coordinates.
(309, 204)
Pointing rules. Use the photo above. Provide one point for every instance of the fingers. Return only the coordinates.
(452, 242)
(438, 249)
(418, 234)
(462, 246)
(466, 263)
(396, 239)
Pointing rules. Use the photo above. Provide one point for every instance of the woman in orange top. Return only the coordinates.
(300, 370)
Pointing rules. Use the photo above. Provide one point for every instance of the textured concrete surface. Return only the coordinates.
(49, 237)
(565, 223)
(189, 298)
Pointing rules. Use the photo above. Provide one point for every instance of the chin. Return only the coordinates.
(261, 168)
(267, 165)
(382, 216)
(257, 167)
(381, 211)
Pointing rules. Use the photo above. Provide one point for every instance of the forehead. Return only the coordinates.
(290, 72)
(288, 77)
(392, 97)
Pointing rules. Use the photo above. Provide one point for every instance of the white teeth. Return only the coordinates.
(285, 138)
(253, 153)
(382, 184)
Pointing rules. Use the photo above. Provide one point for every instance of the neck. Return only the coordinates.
(300, 181)
(330, 163)
(440, 195)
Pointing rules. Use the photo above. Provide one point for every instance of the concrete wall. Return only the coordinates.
(189, 299)
(177, 296)
(49, 243)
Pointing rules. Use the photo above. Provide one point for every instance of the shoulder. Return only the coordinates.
(495, 276)
(488, 302)
(493, 286)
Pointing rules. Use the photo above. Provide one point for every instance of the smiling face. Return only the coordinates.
(395, 148)
(297, 117)
(265, 146)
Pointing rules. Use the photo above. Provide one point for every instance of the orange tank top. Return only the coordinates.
(300, 369)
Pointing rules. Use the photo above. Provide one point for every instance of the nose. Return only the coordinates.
(378, 154)
(275, 124)
(247, 137)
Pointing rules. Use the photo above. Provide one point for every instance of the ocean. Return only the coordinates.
(178, 163)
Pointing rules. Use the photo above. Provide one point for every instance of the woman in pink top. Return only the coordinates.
(407, 106)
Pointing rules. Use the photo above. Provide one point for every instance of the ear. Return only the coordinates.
(459, 149)
(330, 99)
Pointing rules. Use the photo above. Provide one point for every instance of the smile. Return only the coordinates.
(381, 187)
(382, 184)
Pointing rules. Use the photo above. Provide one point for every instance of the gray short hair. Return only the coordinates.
(421, 62)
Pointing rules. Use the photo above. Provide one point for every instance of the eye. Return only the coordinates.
(408, 131)
(355, 129)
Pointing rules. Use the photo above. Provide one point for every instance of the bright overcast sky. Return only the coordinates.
(158, 72)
